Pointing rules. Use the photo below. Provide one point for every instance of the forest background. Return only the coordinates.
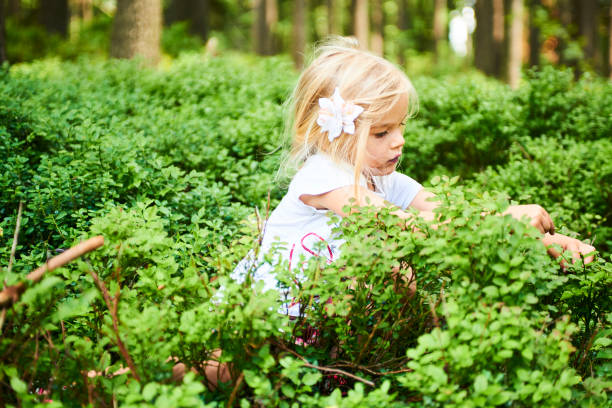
(509, 34)
(158, 125)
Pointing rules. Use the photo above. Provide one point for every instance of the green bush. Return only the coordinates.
(571, 179)
(555, 105)
(26, 41)
(174, 168)
(460, 128)
(177, 39)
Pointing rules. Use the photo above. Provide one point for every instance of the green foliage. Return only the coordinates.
(460, 129)
(26, 41)
(555, 105)
(177, 39)
(571, 179)
(174, 168)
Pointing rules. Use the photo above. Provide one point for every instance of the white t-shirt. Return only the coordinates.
(306, 231)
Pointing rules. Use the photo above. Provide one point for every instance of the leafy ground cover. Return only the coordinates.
(177, 168)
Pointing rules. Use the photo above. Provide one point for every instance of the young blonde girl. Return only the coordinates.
(347, 125)
(348, 116)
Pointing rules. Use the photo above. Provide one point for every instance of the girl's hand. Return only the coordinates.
(576, 247)
(538, 216)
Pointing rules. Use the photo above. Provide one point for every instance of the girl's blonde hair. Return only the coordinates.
(363, 79)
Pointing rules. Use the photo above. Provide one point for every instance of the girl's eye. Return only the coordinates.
(381, 134)
(403, 123)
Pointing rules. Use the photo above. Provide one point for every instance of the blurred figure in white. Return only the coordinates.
(462, 25)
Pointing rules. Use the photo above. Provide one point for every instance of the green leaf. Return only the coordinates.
(436, 373)
(288, 390)
(527, 353)
(311, 378)
(77, 306)
(19, 386)
(149, 391)
(480, 383)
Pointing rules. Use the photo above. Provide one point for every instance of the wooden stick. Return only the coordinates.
(11, 294)
(15, 237)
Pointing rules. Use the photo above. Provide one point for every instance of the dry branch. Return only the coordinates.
(15, 236)
(11, 294)
(112, 305)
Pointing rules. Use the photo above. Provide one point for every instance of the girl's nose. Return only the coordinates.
(398, 138)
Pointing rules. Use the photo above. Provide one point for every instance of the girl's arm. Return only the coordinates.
(422, 201)
(538, 217)
(335, 200)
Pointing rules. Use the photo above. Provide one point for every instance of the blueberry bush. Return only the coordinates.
(177, 169)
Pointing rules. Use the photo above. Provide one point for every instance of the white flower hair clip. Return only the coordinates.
(337, 116)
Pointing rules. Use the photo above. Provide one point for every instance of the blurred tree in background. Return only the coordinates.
(498, 37)
(137, 29)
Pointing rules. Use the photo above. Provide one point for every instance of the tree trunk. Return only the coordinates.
(489, 37)
(515, 51)
(137, 29)
(260, 35)
(587, 25)
(200, 25)
(362, 23)
(403, 23)
(13, 8)
(55, 16)
(271, 26)
(332, 18)
(610, 44)
(439, 22)
(483, 37)
(377, 28)
(499, 37)
(195, 12)
(567, 16)
(84, 9)
(534, 35)
(2, 34)
(299, 33)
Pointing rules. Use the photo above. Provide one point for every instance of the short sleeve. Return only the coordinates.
(400, 189)
(320, 175)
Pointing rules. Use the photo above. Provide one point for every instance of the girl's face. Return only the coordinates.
(385, 142)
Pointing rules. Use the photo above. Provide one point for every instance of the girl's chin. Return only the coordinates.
(385, 171)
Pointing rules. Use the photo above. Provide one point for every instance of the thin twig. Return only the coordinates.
(111, 304)
(15, 237)
(404, 370)
(338, 371)
(232, 396)
(369, 339)
(356, 367)
(89, 388)
(370, 371)
(585, 351)
(322, 368)
(396, 360)
(2, 316)
(432, 309)
(34, 363)
(524, 151)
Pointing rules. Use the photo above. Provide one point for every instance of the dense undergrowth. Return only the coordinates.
(177, 168)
